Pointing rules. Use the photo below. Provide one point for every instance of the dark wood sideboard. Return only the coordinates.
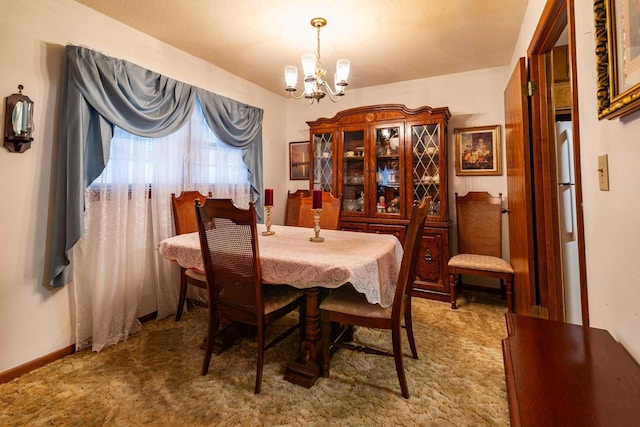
(559, 374)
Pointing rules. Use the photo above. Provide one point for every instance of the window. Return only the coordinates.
(192, 157)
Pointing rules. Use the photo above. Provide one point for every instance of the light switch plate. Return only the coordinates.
(603, 172)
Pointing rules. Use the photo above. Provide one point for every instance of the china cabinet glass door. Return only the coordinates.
(428, 168)
(353, 172)
(323, 147)
(389, 173)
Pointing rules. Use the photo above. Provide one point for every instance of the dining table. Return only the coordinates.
(369, 262)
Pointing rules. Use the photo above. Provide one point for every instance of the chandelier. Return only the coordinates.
(315, 87)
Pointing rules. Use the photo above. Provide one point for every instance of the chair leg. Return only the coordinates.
(510, 306)
(260, 361)
(325, 323)
(397, 355)
(211, 335)
(452, 290)
(408, 323)
(183, 294)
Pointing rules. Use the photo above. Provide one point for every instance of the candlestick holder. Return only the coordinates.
(316, 227)
(267, 209)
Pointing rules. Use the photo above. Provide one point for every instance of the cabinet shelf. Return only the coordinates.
(388, 185)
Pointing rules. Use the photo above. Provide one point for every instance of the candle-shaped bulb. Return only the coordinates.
(268, 197)
(317, 199)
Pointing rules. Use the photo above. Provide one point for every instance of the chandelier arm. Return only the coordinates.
(297, 97)
(333, 96)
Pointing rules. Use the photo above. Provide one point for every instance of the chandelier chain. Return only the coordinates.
(318, 48)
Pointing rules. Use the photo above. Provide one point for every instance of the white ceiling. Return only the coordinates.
(386, 41)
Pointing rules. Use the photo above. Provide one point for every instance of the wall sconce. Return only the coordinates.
(18, 122)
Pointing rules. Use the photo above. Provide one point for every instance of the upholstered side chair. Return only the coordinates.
(479, 230)
(348, 307)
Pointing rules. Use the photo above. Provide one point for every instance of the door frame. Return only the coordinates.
(557, 15)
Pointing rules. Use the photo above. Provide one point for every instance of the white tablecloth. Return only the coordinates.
(370, 262)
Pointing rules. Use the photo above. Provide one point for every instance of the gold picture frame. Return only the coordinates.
(478, 150)
(617, 25)
(299, 161)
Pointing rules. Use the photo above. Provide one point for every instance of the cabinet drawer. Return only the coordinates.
(397, 230)
(353, 226)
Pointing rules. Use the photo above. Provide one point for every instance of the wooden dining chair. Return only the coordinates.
(229, 245)
(479, 229)
(330, 215)
(348, 307)
(292, 212)
(184, 219)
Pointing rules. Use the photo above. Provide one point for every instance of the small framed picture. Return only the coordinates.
(299, 160)
(478, 150)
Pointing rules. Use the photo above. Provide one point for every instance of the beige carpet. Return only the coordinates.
(153, 379)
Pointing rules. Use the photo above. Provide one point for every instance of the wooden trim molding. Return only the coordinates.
(13, 373)
(25, 368)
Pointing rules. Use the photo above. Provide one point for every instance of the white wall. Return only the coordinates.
(37, 320)
(612, 220)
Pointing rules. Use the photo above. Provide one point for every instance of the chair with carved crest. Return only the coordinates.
(329, 217)
(292, 212)
(184, 219)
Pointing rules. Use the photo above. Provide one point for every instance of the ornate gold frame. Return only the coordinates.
(611, 103)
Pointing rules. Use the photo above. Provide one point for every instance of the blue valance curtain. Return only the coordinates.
(100, 92)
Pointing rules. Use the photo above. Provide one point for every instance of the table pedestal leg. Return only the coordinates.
(306, 369)
(228, 334)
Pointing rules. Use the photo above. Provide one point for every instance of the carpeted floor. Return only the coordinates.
(153, 379)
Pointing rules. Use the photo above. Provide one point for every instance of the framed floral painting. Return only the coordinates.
(478, 150)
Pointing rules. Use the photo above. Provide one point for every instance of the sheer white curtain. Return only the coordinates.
(128, 212)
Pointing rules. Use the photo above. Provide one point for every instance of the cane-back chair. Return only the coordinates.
(229, 244)
(479, 229)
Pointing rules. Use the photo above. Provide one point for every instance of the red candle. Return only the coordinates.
(317, 199)
(268, 197)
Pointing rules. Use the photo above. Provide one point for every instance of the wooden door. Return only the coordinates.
(521, 233)
(556, 23)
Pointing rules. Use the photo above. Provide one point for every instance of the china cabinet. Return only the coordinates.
(381, 159)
